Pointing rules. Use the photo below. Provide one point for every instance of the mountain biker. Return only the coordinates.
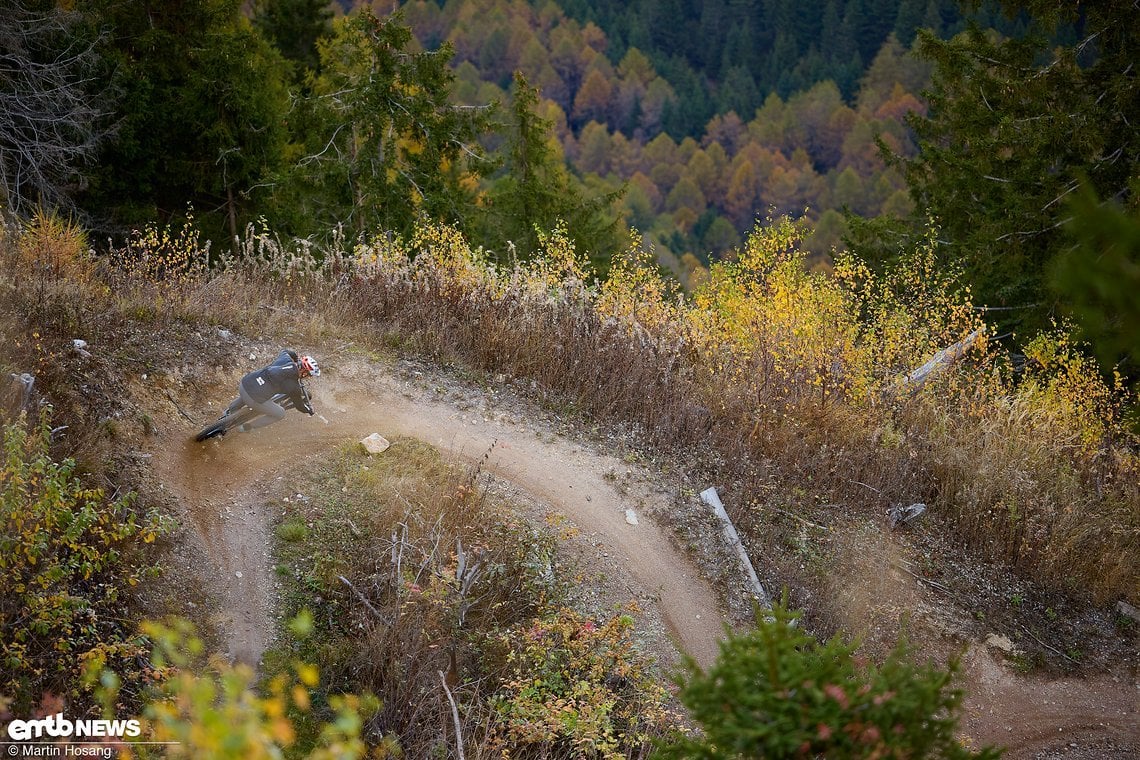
(284, 375)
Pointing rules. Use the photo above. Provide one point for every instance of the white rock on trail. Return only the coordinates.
(375, 444)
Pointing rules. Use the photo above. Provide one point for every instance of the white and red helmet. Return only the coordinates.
(309, 367)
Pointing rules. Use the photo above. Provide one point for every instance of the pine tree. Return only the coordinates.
(776, 692)
(383, 144)
(1012, 127)
(294, 26)
(535, 192)
(1099, 277)
(201, 121)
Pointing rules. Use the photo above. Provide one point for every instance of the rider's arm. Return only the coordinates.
(285, 381)
(301, 401)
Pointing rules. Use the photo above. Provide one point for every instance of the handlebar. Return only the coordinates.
(308, 399)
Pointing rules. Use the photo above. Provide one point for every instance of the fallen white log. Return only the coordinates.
(941, 360)
(709, 496)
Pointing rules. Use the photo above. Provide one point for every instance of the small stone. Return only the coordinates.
(80, 347)
(631, 517)
(375, 444)
(238, 573)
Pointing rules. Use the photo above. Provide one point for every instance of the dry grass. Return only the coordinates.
(790, 379)
(414, 574)
(1030, 473)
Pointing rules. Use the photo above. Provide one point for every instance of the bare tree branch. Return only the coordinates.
(52, 117)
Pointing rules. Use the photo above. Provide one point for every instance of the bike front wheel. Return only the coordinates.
(226, 423)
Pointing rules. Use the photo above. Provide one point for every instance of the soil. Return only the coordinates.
(673, 561)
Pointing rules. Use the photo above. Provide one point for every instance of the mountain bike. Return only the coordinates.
(237, 413)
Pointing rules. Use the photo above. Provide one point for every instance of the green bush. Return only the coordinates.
(66, 554)
(777, 692)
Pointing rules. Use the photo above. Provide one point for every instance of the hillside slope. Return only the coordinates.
(226, 491)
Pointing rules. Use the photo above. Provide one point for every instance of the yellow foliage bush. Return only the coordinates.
(205, 706)
(67, 555)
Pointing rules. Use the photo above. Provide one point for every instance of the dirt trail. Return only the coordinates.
(219, 487)
(1037, 718)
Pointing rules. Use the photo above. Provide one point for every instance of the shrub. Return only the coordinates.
(776, 692)
(67, 554)
(206, 707)
(574, 687)
(436, 592)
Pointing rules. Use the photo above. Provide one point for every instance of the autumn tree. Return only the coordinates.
(594, 148)
(740, 199)
(593, 98)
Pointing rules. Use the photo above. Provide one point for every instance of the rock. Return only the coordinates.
(631, 517)
(80, 347)
(375, 444)
(1127, 610)
(19, 392)
(1003, 643)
